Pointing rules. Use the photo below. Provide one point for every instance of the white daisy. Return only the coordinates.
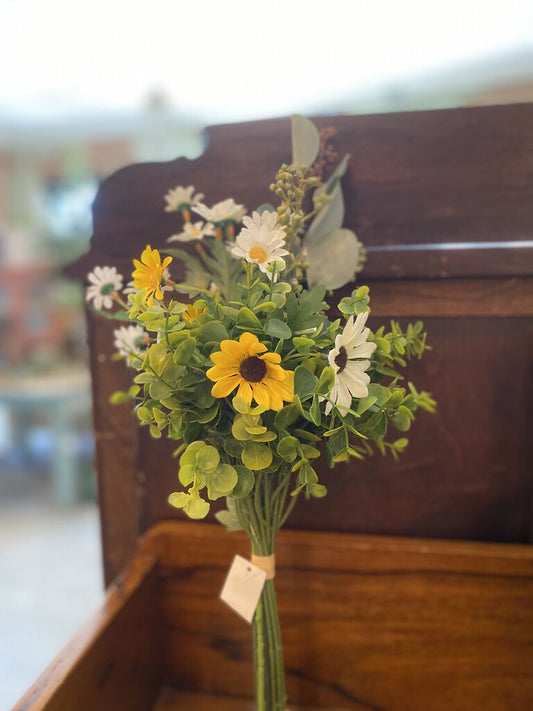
(130, 342)
(104, 282)
(349, 360)
(221, 212)
(191, 231)
(261, 242)
(181, 198)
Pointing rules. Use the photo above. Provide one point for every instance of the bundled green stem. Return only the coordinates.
(261, 514)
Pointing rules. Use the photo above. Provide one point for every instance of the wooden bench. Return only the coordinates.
(409, 587)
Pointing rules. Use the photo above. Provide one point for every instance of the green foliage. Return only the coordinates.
(233, 448)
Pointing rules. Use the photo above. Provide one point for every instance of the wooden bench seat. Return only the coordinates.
(368, 623)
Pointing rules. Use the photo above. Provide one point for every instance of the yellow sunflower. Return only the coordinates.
(150, 274)
(191, 313)
(258, 375)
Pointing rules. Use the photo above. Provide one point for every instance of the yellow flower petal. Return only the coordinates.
(245, 391)
(224, 386)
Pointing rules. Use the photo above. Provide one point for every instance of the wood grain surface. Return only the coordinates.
(377, 623)
(369, 624)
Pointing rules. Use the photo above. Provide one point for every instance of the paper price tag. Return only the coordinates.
(243, 586)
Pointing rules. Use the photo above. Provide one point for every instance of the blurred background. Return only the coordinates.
(86, 89)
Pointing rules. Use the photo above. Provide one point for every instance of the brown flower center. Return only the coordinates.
(253, 369)
(341, 359)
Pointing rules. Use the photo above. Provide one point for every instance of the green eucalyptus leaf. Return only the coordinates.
(229, 519)
(314, 411)
(247, 319)
(190, 454)
(239, 429)
(186, 474)
(119, 397)
(245, 483)
(318, 491)
(329, 219)
(278, 329)
(305, 140)
(365, 403)
(196, 508)
(213, 331)
(333, 259)
(303, 344)
(287, 416)
(184, 350)
(159, 390)
(221, 481)
(304, 381)
(179, 499)
(326, 381)
(256, 456)
(288, 448)
(207, 459)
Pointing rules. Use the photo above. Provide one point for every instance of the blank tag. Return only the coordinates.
(243, 587)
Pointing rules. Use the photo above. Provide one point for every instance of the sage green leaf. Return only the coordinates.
(221, 481)
(229, 519)
(333, 259)
(256, 429)
(329, 219)
(233, 447)
(303, 344)
(309, 452)
(207, 459)
(190, 454)
(288, 448)
(365, 403)
(213, 331)
(159, 390)
(119, 397)
(240, 405)
(184, 350)
(196, 508)
(239, 429)
(278, 329)
(326, 381)
(245, 483)
(144, 414)
(314, 411)
(304, 381)
(179, 499)
(318, 491)
(266, 437)
(305, 140)
(210, 414)
(286, 417)
(266, 307)
(247, 319)
(256, 456)
(186, 474)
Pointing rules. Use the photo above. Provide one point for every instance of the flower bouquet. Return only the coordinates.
(247, 367)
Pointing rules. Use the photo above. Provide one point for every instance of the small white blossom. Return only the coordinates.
(191, 232)
(181, 198)
(222, 211)
(261, 242)
(131, 341)
(349, 360)
(104, 281)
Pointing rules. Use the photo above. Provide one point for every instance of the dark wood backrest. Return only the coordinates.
(460, 179)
